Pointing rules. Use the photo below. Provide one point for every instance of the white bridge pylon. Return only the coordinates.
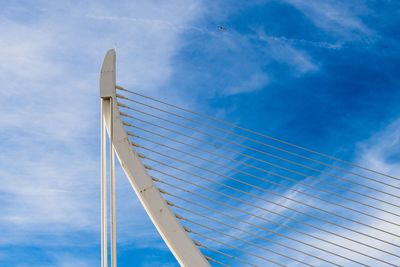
(226, 195)
(181, 245)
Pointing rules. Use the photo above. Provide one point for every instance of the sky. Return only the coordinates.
(321, 74)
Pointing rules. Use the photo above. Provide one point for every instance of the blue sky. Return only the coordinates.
(323, 74)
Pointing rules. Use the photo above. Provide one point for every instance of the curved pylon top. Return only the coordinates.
(174, 235)
(107, 75)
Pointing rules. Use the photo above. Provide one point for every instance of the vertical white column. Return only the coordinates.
(113, 219)
(103, 182)
(107, 93)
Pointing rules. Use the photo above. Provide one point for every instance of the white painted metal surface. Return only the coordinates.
(176, 238)
(107, 81)
(113, 211)
(104, 242)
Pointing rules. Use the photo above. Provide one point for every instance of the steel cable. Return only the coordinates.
(260, 160)
(241, 230)
(272, 192)
(278, 224)
(274, 156)
(262, 143)
(262, 135)
(250, 175)
(245, 202)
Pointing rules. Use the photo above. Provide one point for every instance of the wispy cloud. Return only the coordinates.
(283, 51)
(337, 17)
(255, 82)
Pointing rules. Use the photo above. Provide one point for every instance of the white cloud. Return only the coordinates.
(380, 152)
(255, 81)
(283, 51)
(70, 260)
(337, 17)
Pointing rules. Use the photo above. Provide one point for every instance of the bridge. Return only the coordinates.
(224, 195)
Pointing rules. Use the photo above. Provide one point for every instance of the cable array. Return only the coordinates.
(252, 199)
